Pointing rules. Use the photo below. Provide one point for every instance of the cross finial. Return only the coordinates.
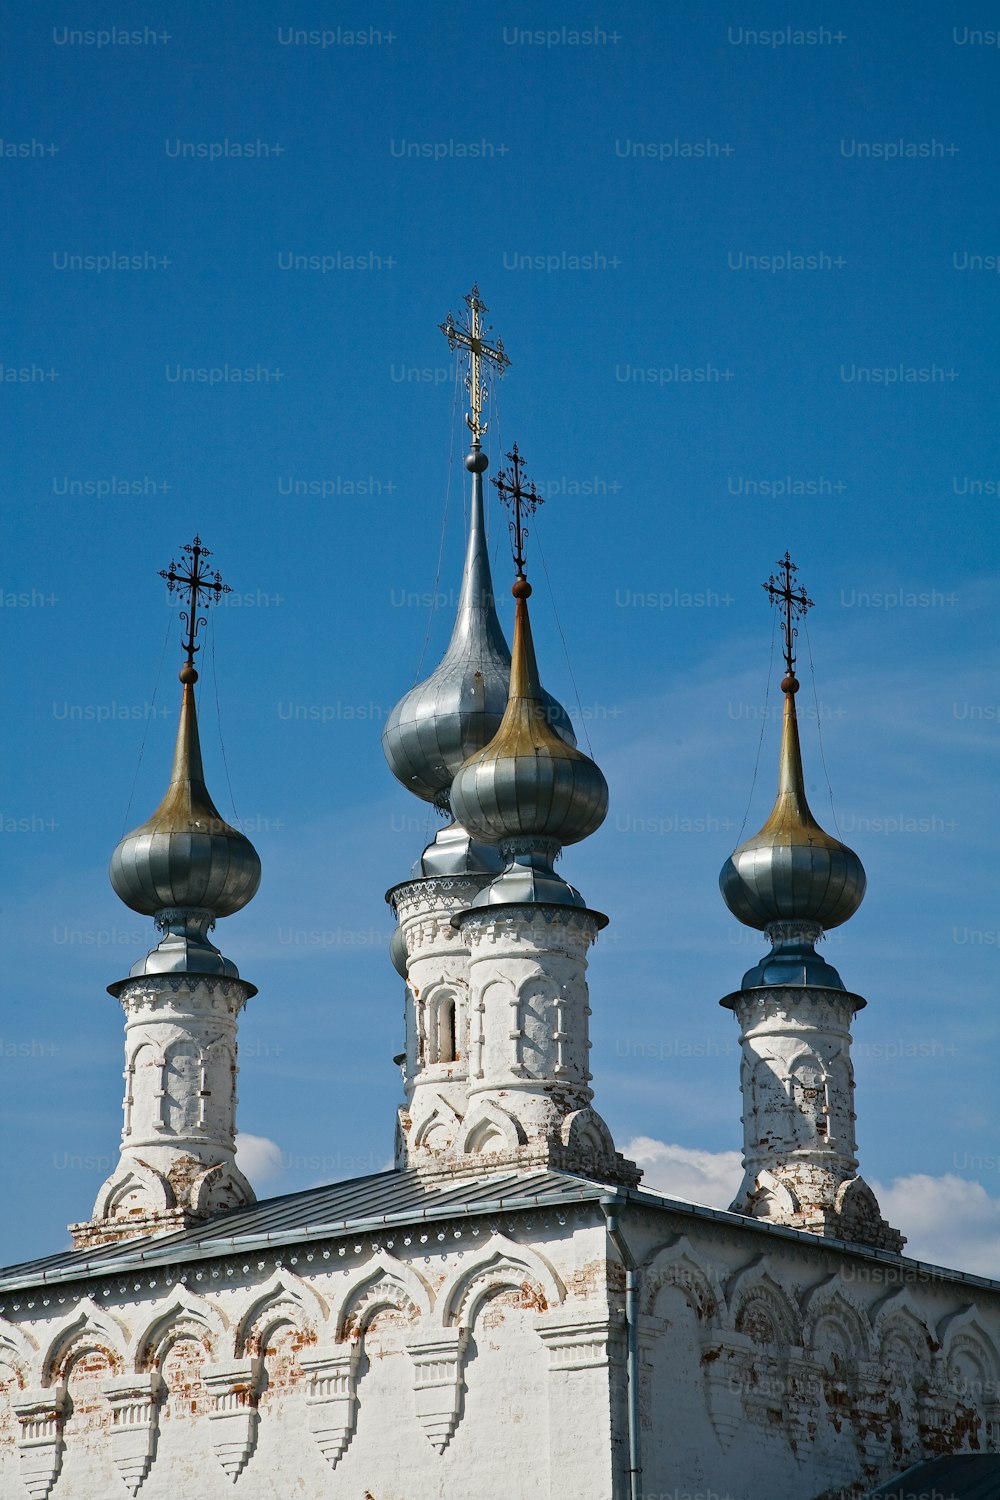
(522, 498)
(202, 588)
(470, 337)
(795, 603)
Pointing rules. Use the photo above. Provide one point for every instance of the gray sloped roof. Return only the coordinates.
(383, 1200)
(962, 1476)
(355, 1205)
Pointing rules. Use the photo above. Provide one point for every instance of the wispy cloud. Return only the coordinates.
(258, 1158)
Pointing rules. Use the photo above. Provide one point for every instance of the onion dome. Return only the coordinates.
(528, 791)
(791, 871)
(186, 856)
(458, 709)
(792, 880)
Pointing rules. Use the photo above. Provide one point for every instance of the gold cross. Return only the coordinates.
(795, 601)
(470, 337)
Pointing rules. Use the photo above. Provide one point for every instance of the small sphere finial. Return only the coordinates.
(521, 588)
(188, 673)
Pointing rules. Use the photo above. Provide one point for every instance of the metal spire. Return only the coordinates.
(521, 498)
(470, 336)
(202, 588)
(796, 602)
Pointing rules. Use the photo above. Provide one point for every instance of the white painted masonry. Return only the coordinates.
(483, 1356)
(179, 1136)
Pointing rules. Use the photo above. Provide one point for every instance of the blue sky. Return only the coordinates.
(747, 282)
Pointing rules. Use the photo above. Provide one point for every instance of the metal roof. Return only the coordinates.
(350, 1207)
(369, 1205)
(962, 1476)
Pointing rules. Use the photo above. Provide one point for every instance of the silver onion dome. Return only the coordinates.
(458, 708)
(528, 787)
(792, 871)
(186, 857)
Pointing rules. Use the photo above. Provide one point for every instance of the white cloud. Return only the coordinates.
(948, 1221)
(706, 1177)
(258, 1158)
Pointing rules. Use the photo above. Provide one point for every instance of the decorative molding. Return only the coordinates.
(491, 923)
(180, 1312)
(87, 1327)
(383, 1281)
(437, 1381)
(233, 1420)
(576, 1343)
(430, 893)
(331, 1397)
(727, 1360)
(283, 1298)
(134, 1405)
(501, 1263)
(40, 1442)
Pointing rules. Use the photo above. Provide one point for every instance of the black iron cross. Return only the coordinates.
(201, 586)
(523, 498)
(795, 602)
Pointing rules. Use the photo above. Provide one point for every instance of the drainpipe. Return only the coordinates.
(610, 1208)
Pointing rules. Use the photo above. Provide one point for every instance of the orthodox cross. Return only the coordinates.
(795, 602)
(521, 498)
(470, 337)
(201, 586)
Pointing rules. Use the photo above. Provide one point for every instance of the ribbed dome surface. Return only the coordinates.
(458, 709)
(792, 870)
(528, 781)
(186, 854)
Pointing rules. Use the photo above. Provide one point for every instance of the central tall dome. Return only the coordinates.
(481, 738)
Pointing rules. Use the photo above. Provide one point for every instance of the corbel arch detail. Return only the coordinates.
(133, 1176)
(962, 1337)
(18, 1351)
(180, 1314)
(832, 1302)
(285, 1298)
(676, 1265)
(436, 1119)
(898, 1317)
(488, 1129)
(501, 1264)
(89, 1327)
(383, 1282)
(757, 1300)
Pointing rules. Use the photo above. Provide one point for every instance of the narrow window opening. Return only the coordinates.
(446, 1032)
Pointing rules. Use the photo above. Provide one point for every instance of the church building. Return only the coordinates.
(507, 1313)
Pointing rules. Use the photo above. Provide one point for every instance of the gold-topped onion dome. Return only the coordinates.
(528, 791)
(186, 855)
(792, 879)
(186, 865)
